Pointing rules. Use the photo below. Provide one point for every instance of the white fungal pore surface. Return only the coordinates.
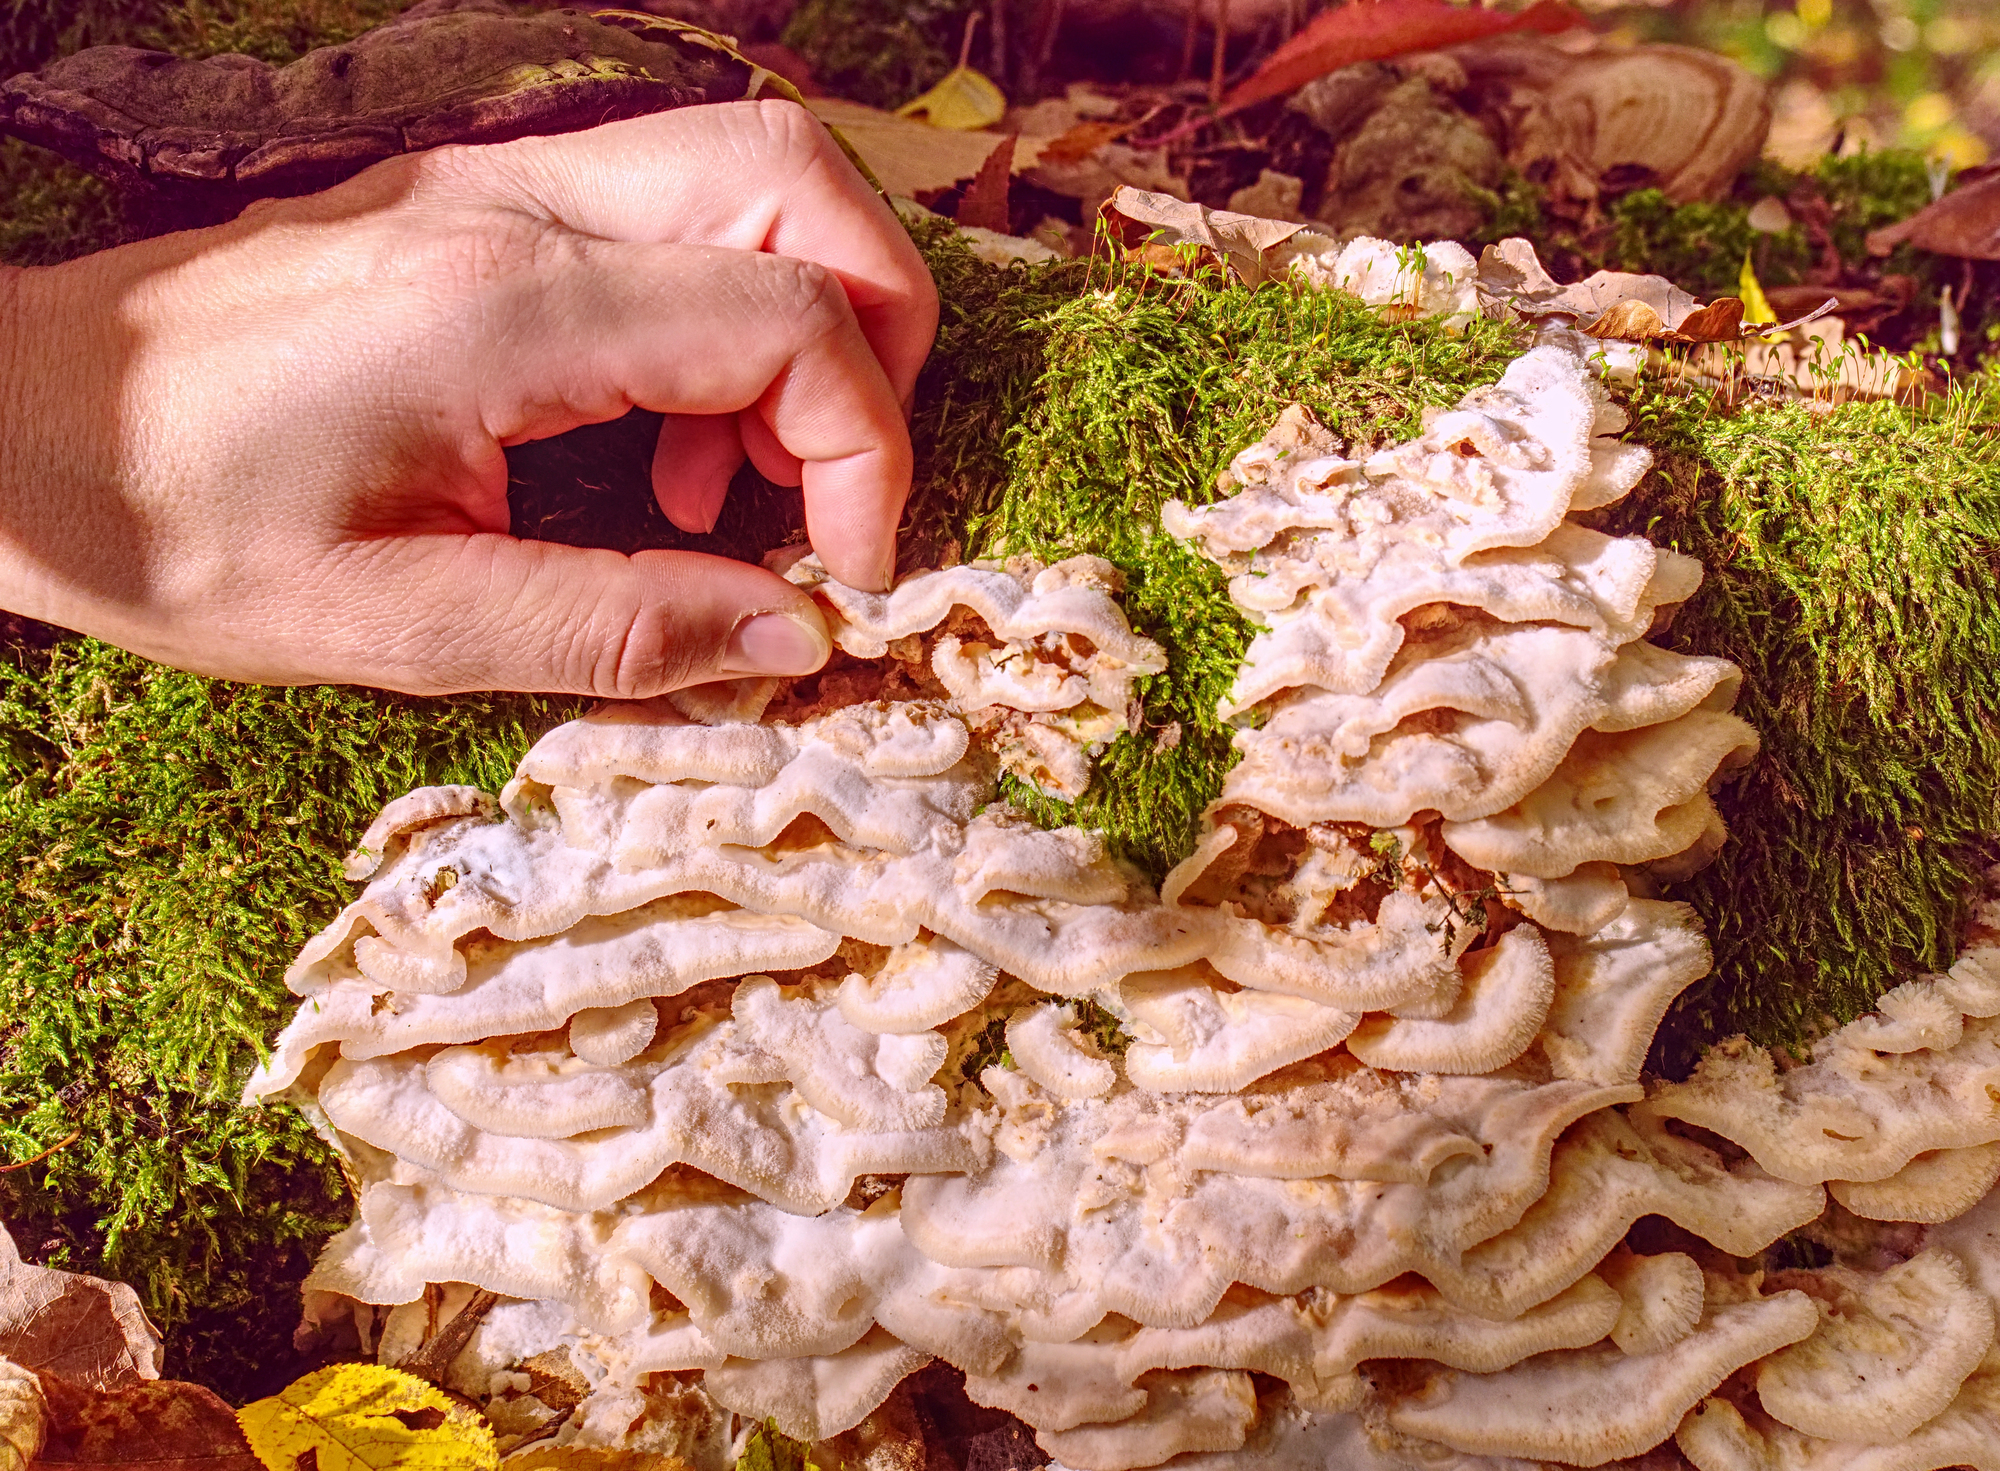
(780, 1053)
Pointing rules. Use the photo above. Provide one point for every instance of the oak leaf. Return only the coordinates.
(984, 203)
(364, 1417)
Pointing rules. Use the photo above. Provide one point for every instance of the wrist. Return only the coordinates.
(55, 415)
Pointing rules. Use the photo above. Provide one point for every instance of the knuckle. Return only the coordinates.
(793, 132)
(644, 660)
(810, 293)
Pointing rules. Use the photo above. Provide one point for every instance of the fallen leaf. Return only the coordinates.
(1093, 179)
(1756, 306)
(586, 1458)
(966, 99)
(1627, 321)
(363, 1417)
(23, 1416)
(910, 158)
(984, 204)
(159, 1425)
(1616, 306)
(1079, 142)
(1965, 223)
(84, 1328)
(1363, 31)
(1720, 321)
(1240, 241)
(1852, 303)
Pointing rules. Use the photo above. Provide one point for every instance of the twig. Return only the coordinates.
(965, 42)
(1221, 53)
(434, 1357)
(74, 1135)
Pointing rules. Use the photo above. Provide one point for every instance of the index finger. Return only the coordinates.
(763, 176)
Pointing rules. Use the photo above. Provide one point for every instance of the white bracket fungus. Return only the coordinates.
(755, 1049)
(1894, 1351)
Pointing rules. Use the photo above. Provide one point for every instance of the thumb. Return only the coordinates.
(488, 612)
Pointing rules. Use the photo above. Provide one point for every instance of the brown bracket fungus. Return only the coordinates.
(190, 142)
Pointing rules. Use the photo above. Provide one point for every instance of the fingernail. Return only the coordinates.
(776, 643)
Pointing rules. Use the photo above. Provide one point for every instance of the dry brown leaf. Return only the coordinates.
(1240, 241)
(1965, 223)
(160, 1425)
(88, 1330)
(984, 203)
(1617, 306)
(1079, 142)
(910, 157)
(1628, 321)
(1720, 321)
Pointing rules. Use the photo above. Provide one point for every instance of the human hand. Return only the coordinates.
(272, 450)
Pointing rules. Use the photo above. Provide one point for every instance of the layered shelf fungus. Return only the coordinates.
(747, 1053)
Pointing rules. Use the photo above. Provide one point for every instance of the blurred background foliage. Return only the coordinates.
(1850, 76)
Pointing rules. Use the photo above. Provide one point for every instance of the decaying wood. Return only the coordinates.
(1691, 118)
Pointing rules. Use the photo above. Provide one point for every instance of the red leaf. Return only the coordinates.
(1373, 30)
(984, 202)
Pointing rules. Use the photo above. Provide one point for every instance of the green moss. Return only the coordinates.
(881, 52)
(50, 211)
(171, 841)
(1869, 190)
(1700, 246)
(1851, 561)
(1072, 404)
(275, 30)
(1852, 573)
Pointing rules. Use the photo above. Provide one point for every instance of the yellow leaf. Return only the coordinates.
(964, 100)
(363, 1417)
(1756, 310)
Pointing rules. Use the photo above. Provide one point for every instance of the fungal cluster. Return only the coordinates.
(753, 1055)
